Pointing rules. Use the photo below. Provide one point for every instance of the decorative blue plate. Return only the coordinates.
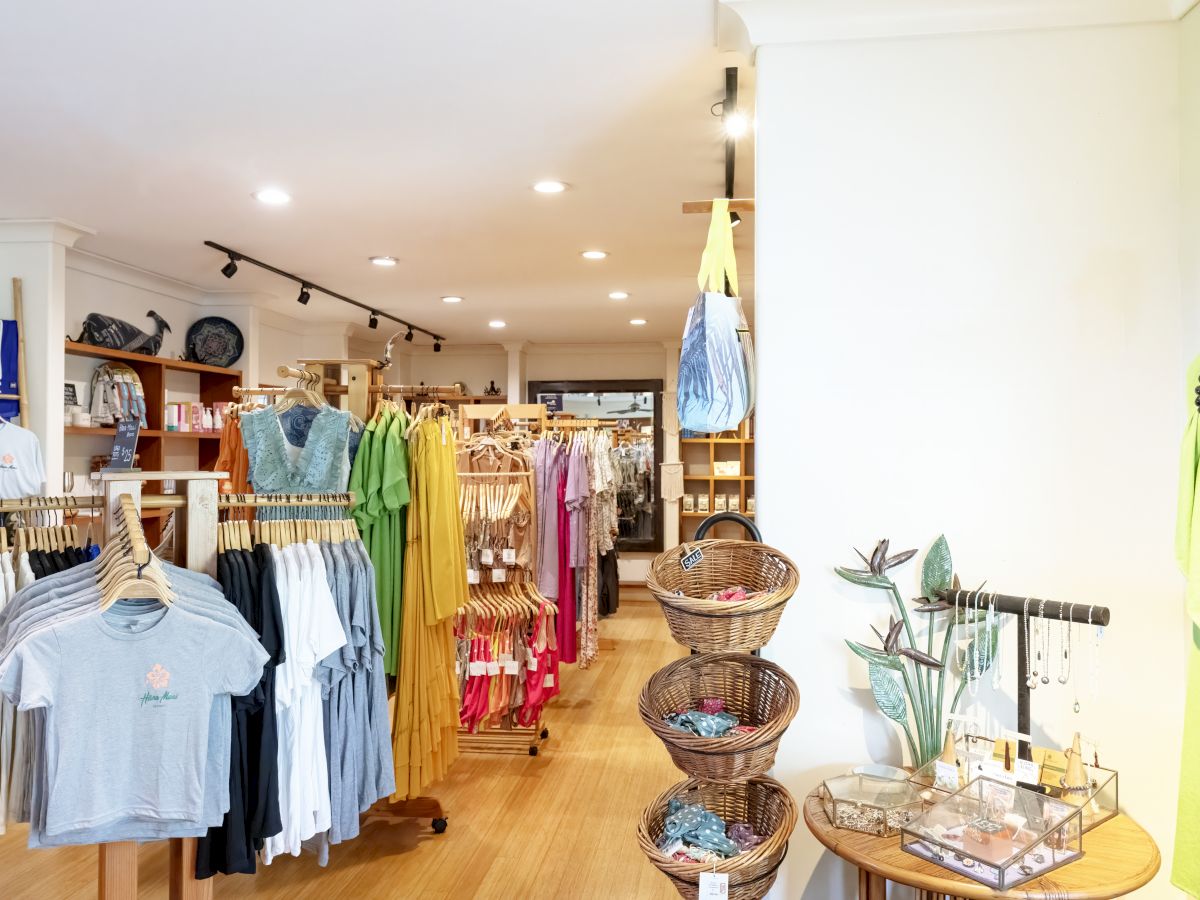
(214, 341)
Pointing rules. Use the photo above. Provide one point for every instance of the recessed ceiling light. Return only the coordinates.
(637, 321)
(273, 196)
(594, 254)
(618, 295)
(452, 299)
(384, 260)
(550, 187)
(497, 323)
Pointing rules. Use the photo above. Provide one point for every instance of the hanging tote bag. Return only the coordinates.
(716, 364)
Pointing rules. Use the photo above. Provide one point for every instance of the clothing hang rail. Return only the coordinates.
(237, 256)
(1027, 608)
(302, 375)
(179, 501)
(581, 423)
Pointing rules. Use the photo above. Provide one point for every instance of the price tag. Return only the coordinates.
(714, 886)
(473, 576)
(690, 561)
(510, 667)
(945, 774)
(531, 663)
(486, 557)
(509, 555)
(125, 444)
(458, 667)
(1028, 771)
(493, 667)
(499, 574)
(548, 681)
(995, 770)
(476, 668)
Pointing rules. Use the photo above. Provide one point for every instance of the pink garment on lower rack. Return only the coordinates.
(566, 581)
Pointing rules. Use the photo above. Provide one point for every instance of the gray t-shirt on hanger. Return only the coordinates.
(143, 751)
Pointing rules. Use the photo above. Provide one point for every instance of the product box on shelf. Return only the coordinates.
(879, 806)
(727, 468)
(689, 502)
(719, 503)
(997, 834)
(702, 503)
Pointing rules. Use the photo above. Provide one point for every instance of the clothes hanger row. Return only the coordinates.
(126, 569)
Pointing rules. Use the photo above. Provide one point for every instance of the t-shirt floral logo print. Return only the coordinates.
(8, 459)
(158, 678)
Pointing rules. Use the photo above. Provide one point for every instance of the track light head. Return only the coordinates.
(305, 296)
(408, 337)
(373, 322)
(734, 220)
(230, 268)
(437, 346)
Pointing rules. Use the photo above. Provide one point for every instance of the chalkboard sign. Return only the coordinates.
(125, 445)
(70, 395)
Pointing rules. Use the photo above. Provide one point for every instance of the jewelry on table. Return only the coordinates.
(1064, 634)
(1039, 858)
(1045, 643)
(1026, 869)
(1030, 675)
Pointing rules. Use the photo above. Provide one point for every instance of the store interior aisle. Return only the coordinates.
(557, 825)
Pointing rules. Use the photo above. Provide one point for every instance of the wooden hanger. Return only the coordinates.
(130, 569)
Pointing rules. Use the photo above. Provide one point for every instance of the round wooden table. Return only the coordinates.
(1118, 857)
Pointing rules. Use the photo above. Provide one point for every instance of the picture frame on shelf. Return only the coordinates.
(702, 503)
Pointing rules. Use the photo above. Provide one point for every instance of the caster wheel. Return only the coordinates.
(533, 751)
(545, 733)
(439, 826)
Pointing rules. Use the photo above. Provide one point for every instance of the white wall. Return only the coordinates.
(968, 321)
(476, 366)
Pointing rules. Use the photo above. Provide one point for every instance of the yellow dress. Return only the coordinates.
(425, 720)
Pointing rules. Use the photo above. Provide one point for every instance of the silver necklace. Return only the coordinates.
(1030, 675)
(994, 623)
(1044, 657)
(1064, 634)
(974, 652)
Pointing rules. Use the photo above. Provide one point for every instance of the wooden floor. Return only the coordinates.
(553, 826)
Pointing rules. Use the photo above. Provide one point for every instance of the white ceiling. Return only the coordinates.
(409, 129)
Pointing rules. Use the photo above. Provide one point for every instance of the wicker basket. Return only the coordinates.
(758, 692)
(763, 802)
(713, 625)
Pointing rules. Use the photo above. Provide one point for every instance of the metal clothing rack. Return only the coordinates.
(1070, 613)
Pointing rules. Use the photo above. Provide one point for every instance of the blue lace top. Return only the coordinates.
(320, 467)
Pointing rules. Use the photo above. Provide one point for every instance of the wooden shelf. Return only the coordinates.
(144, 433)
(706, 453)
(716, 441)
(700, 515)
(718, 477)
(76, 349)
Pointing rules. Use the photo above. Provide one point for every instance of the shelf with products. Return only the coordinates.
(718, 477)
(213, 385)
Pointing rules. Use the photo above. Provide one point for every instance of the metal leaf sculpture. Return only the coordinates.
(915, 700)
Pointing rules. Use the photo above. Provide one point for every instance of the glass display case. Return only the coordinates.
(1098, 801)
(997, 834)
(878, 806)
(937, 780)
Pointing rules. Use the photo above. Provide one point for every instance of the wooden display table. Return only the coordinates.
(1119, 857)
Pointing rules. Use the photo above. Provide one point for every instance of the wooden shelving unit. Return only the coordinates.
(215, 386)
(700, 456)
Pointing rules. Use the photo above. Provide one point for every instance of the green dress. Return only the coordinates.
(1185, 871)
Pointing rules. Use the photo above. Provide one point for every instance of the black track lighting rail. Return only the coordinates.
(236, 256)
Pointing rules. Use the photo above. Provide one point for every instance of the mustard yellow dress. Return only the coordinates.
(425, 706)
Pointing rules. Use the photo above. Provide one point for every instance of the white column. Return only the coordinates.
(671, 447)
(35, 251)
(517, 381)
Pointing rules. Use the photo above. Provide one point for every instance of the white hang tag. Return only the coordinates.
(945, 774)
(458, 667)
(476, 668)
(509, 555)
(714, 886)
(499, 574)
(510, 667)
(531, 663)
(1028, 771)
(995, 770)
(473, 576)
(493, 667)
(548, 681)
(486, 557)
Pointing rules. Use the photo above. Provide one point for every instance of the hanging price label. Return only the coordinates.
(476, 668)
(714, 886)
(499, 574)
(510, 667)
(493, 667)
(509, 555)
(531, 664)
(548, 681)
(473, 576)
(486, 557)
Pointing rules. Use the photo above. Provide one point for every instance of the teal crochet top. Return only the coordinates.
(318, 469)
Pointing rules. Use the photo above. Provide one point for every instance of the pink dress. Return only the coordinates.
(566, 578)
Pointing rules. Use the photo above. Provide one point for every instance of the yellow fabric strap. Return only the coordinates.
(718, 260)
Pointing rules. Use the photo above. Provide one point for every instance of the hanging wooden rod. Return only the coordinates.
(237, 257)
(179, 501)
(705, 206)
(303, 375)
